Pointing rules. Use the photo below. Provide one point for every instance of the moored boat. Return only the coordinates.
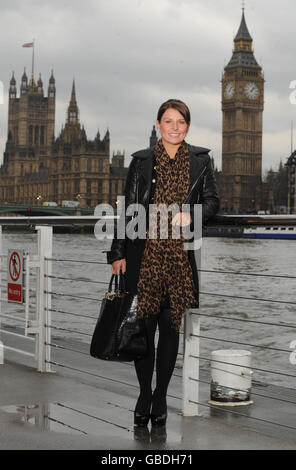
(271, 231)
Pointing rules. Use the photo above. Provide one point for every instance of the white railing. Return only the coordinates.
(35, 329)
(39, 328)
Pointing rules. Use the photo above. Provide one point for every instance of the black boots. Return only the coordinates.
(158, 420)
(142, 410)
(159, 409)
(158, 414)
(140, 419)
(143, 420)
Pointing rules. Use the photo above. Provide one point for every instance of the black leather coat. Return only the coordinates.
(139, 187)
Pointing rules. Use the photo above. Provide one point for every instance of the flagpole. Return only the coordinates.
(33, 57)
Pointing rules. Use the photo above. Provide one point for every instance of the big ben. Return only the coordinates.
(242, 108)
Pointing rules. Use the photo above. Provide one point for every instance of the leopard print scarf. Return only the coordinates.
(165, 269)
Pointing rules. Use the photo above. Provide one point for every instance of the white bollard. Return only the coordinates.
(231, 377)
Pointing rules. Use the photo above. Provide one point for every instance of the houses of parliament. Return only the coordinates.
(38, 167)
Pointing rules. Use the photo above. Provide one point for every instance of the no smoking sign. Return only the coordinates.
(15, 276)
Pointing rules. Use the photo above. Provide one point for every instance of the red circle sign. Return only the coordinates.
(14, 266)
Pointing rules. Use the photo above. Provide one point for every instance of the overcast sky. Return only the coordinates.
(128, 56)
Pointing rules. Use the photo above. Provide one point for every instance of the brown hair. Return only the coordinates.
(176, 104)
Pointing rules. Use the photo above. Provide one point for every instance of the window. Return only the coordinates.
(73, 116)
(246, 119)
(42, 135)
(88, 186)
(253, 122)
(252, 144)
(36, 137)
(30, 135)
(77, 186)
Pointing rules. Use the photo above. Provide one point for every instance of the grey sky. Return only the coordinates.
(128, 56)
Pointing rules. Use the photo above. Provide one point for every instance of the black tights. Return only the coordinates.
(167, 350)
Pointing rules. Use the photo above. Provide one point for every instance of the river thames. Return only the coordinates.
(250, 256)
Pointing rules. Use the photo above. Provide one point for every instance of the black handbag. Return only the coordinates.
(119, 335)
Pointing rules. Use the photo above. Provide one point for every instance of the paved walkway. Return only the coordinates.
(67, 411)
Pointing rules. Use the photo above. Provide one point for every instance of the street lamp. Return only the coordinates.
(39, 197)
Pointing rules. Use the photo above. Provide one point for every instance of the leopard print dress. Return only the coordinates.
(165, 270)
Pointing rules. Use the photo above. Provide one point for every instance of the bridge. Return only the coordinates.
(39, 210)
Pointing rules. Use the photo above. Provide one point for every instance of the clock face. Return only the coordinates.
(229, 90)
(251, 90)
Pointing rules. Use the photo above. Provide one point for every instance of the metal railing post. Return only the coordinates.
(191, 343)
(191, 364)
(43, 301)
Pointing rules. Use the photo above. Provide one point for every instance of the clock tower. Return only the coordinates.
(242, 108)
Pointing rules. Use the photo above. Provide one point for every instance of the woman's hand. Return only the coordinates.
(118, 265)
(182, 218)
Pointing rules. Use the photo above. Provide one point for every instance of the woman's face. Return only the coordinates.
(172, 126)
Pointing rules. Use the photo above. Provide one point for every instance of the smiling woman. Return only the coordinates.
(173, 124)
(159, 271)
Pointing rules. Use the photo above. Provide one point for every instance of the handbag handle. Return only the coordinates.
(118, 292)
(111, 282)
(121, 282)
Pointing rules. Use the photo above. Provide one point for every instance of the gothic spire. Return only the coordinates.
(32, 83)
(52, 79)
(107, 135)
(243, 32)
(24, 77)
(12, 80)
(51, 86)
(243, 54)
(12, 87)
(153, 137)
(73, 108)
(73, 95)
(24, 82)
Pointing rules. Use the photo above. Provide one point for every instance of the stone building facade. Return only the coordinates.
(291, 167)
(38, 167)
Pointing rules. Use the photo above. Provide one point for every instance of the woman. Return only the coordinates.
(161, 272)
